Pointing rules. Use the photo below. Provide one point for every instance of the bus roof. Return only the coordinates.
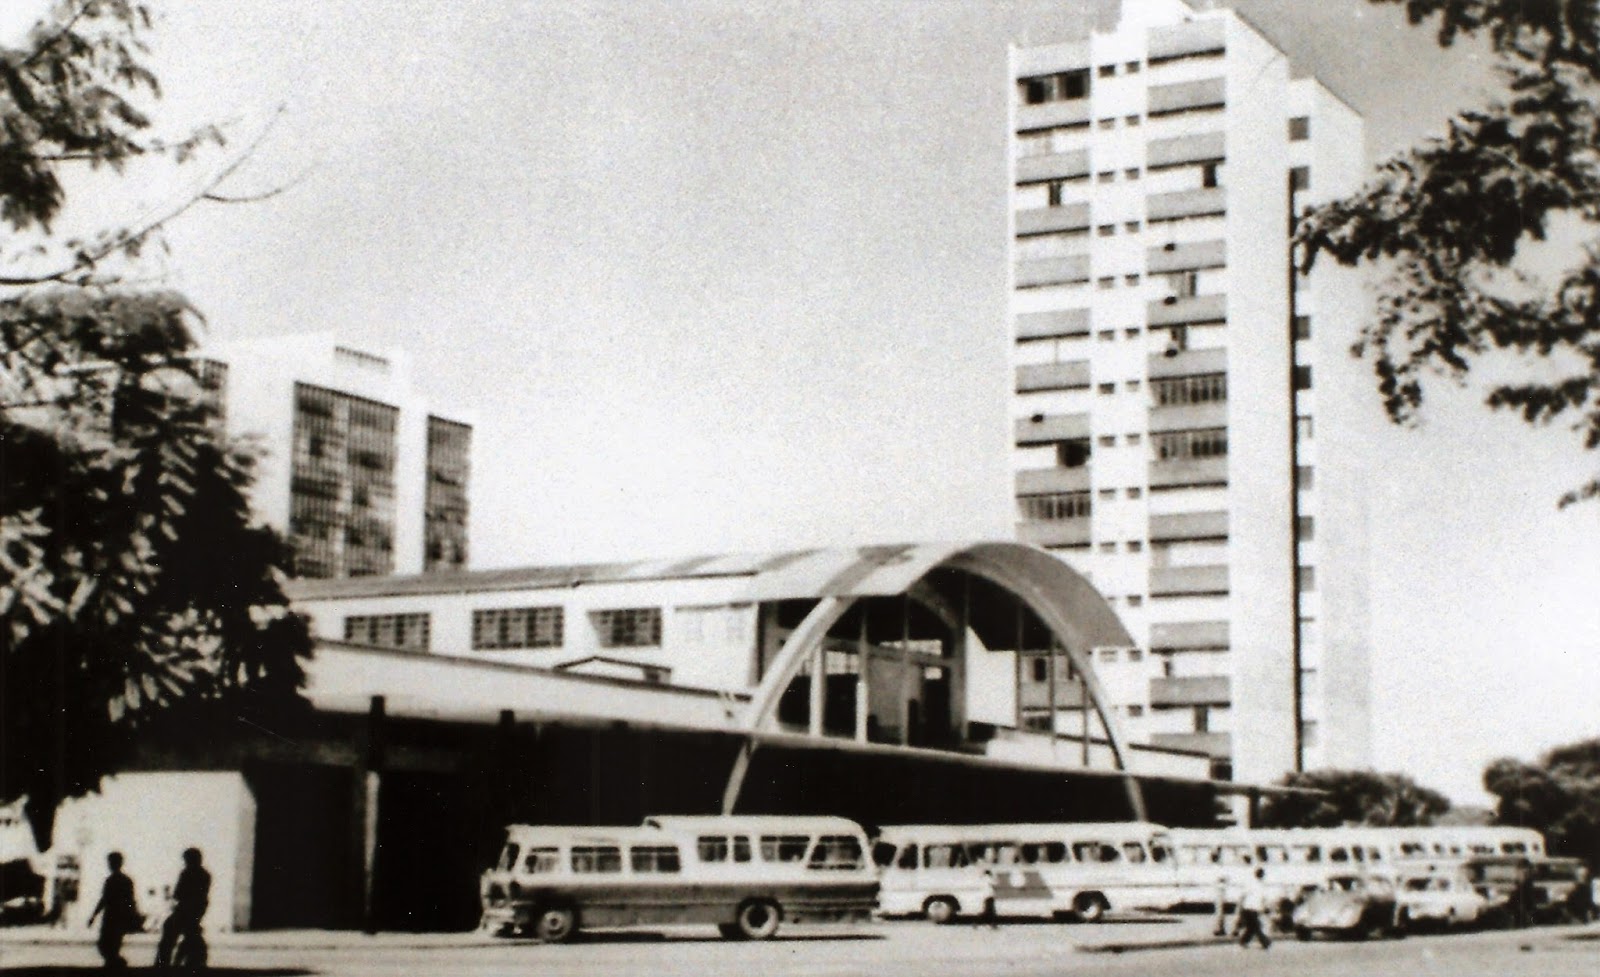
(753, 822)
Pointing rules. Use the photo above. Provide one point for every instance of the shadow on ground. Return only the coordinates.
(74, 970)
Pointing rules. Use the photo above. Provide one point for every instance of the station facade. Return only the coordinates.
(881, 683)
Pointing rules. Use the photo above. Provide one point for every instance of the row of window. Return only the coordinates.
(1204, 388)
(1075, 84)
(831, 853)
(502, 629)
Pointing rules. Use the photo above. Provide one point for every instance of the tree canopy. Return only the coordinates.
(1363, 797)
(137, 592)
(1559, 795)
(1446, 221)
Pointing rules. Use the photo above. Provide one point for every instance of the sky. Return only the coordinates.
(728, 276)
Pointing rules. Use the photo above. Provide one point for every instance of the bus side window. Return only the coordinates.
(944, 856)
(1160, 853)
(1338, 855)
(597, 859)
(654, 858)
(908, 857)
(784, 848)
(1133, 852)
(508, 858)
(883, 855)
(541, 860)
(712, 848)
(741, 848)
(1086, 851)
(1055, 852)
(836, 852)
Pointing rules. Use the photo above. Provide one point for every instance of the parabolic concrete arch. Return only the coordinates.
(1077, 618)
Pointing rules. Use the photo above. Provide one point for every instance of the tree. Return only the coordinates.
(137, 595)
(1353, 797)
(1448, 219)
(1559, 795)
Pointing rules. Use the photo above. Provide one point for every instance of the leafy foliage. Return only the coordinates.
(1448, 219)
(137, 594)
(1559, 795)
(1353, 797)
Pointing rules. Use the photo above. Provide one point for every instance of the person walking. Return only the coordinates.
(1253, 911)
(117, 912)
(190, 896)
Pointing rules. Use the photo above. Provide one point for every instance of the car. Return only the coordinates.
(1350, 905)
(1441, 898)
(1561, 891)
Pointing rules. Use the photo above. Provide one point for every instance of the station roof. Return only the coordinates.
(861, 571)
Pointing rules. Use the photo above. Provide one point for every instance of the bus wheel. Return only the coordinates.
(940, 909)
(758, 919)
(1090, 906)
(555, 925)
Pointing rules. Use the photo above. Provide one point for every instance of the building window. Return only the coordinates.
(1184, 445)
(1107, 70)
(1203, 388)
(1108, 493)
(1130, 279)
(517, 627)
(1308, 733)
(1061, 87)
(1299, 128)
(1130, 227)
(1056, 507)
(1108, 654)
(1131, 174)
(629, 627)
(1135, 600)
(1132, 386)
(1133, 333)
(1108, 123)
(1041, 669)
(1073, 453)
(1306, 529)
(407, 631)
(1305, 476)
(1131, 121)
(445, 506)
(1108, 440)
(1053, 189)
(1308, 579)
(1107, 335)
(1302, 327)
(1211, 174)
(1302, 428)
(1135, 493)
(1135, 545)
(1106, 230)
(1302, 378)
(1202, 719)
(342, 485)
(1108, 548)
(1299, 179)
(1106, 281)
(1108, 388)
(1135, 711)
(1132, 67)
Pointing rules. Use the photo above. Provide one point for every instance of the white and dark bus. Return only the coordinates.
(746, 875)
(1087, 870)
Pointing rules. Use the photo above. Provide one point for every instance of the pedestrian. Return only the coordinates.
(1252, 910)
(190, 896)
(118, 913)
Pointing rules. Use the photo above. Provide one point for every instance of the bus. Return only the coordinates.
(746, 875)
(948, 871)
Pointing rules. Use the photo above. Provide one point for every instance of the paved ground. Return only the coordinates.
(1145, 949)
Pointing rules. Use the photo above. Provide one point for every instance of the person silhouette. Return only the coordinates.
(117, 912)
(190, 896)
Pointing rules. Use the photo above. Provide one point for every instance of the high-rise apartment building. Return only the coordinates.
(1179, 388)
(363, 477)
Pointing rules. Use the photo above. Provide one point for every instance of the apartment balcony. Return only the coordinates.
(1040, 481)
(1205, 36)
(1201, 690)
(1059, 324)
(1193, 310)
(1207, 581)
(1188, 417)
(1189, 636)
(1195, 256)
(1204, 147)
(1182, 526)
(1187, 363)
(1044, 220)
(1061, 532)
(1189, 473)
(1050, 427)
(1033, 377)
(1056, 166)
(1036, 695)
(1051, 115)
(1187, 96)
(1182, 204)
(1072, 270)
(1212, 744)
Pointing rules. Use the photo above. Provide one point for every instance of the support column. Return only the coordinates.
(905, 671)
(1136, 797)
(367, 787)
(741, 766)
(819, 688)
(863, 678)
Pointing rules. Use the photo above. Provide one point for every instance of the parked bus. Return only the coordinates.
(947, 871)
(746, 875)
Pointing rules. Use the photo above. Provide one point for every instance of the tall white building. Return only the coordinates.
(357, 469)
(1179, 390)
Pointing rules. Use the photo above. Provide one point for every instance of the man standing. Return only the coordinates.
(189, 900)
(1252, 910)
(118, 913)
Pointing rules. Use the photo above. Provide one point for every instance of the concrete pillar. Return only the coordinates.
(367, 788)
